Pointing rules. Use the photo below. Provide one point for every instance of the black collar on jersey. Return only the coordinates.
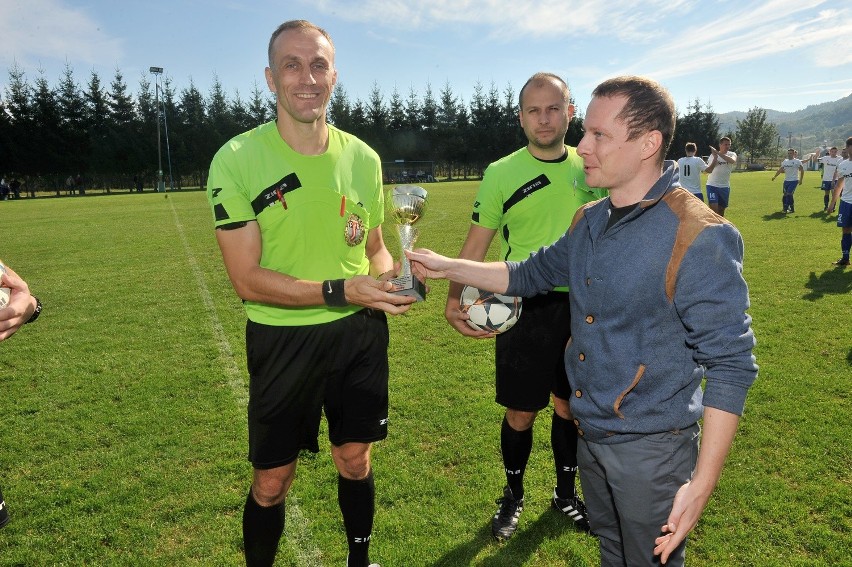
(560, 159)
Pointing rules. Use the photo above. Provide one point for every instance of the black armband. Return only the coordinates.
(232, 225)
(36, 313)
(333, 294)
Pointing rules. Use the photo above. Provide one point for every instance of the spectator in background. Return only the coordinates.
(15, 188)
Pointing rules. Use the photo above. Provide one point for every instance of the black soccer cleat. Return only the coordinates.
(505, 520)
(4, 512)
(573, 508)
(370, 565)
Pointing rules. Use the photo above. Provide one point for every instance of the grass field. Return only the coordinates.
(123, 434)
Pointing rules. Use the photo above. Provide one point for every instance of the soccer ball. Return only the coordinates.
(490, 311)
(4, 291)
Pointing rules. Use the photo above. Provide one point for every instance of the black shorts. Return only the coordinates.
(530, 356)
(297, 372)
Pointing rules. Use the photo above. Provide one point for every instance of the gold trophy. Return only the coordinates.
(406, 204)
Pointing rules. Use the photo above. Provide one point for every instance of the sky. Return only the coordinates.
(730, 54)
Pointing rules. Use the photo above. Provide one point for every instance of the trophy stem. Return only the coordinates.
(407, 237)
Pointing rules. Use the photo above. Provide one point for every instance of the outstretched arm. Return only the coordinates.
(489, 276)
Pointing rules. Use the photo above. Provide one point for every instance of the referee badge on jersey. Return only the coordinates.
(354, 231)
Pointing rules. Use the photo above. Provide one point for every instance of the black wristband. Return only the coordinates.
(36, 313)
(333, 294)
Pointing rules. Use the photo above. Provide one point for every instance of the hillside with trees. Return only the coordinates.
(804, 129)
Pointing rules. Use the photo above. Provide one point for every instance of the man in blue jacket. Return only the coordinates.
(659, 303)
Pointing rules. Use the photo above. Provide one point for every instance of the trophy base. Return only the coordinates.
(409, 285)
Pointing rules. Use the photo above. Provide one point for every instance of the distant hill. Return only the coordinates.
(830, 121)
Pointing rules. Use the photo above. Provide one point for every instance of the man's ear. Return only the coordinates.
(652, 143)
(269, 82)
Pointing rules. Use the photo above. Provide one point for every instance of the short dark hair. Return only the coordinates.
(540, 79)
(649, 107)
(691, 147)
(849, 141)
(303, 25)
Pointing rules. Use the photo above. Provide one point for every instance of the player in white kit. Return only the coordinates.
(794, 174)
(722, 163)
(690, 168)
(829, 166)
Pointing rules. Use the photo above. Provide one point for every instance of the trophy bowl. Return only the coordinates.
(408, 203)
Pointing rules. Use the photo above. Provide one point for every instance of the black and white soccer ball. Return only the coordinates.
(489, 311)
(5, 292)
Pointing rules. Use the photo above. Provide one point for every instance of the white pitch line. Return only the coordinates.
(298, 533)
(226, 353)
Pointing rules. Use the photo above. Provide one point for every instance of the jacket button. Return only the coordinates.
(577, 422)
(582, 357)
(590, 319)
(588, 281)
(580, 432)
(578, 394)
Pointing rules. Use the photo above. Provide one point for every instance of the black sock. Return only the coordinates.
(516, 447)
(563, 438)
(825, 200)
(357, 499)
(262, 528)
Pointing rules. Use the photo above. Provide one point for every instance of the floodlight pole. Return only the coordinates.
(168, 148)
(158, 72)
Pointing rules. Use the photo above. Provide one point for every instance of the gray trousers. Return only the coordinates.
(629, 489)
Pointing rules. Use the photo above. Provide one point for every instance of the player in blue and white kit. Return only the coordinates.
(829, 166)
(721, 164)
(843, 192)
(794, 174)
(690, 168)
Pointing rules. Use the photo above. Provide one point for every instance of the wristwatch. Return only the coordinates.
(36, 313)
